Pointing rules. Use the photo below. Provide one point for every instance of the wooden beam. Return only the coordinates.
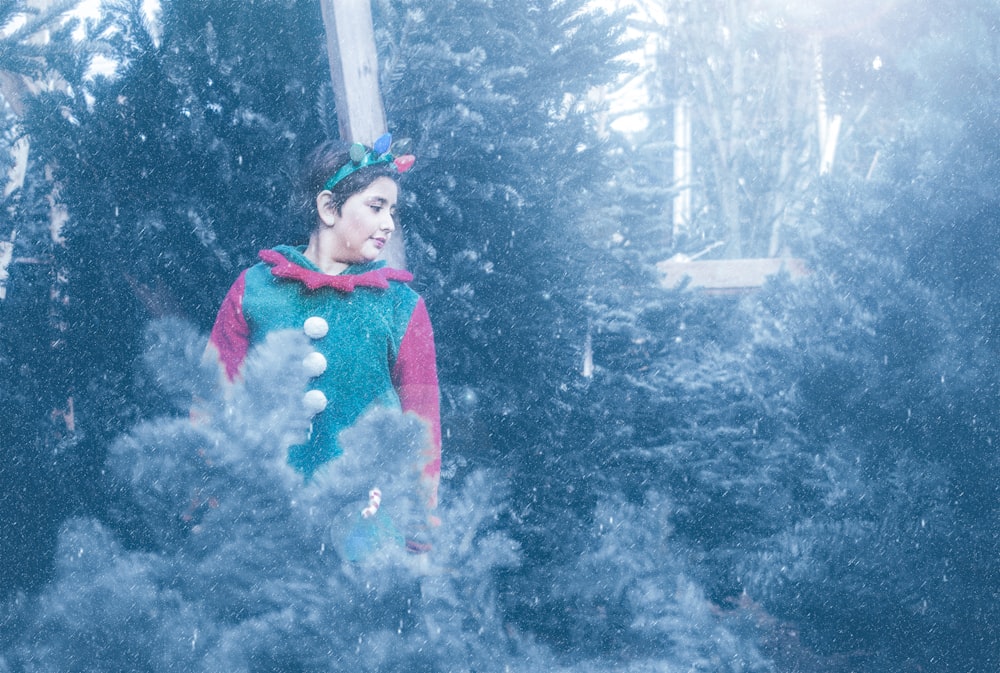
(728, 276)
(353, 57)
(350, 47)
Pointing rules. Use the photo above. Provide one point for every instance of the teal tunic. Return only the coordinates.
(368, 310)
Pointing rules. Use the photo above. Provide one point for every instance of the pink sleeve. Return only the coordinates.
(230, 337)
(416, 382)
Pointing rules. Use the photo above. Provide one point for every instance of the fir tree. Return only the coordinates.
(497, 231)
(170, 173)
(246, 567)
(496, 97)
(809, 449)
(38, 51)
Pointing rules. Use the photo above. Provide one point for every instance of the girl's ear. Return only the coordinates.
(325, 208)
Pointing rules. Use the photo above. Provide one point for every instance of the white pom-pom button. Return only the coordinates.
(315, 327)
(314, 364)
(314, 401)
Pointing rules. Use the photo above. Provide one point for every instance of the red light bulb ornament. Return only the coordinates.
(404, 163)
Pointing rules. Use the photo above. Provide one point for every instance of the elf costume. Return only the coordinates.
(373, 341)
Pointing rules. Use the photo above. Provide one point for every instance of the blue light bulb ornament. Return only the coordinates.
(382, 144)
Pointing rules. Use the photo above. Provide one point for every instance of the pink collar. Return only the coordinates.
(281, 267)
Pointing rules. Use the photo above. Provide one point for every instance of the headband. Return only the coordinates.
(362, 157)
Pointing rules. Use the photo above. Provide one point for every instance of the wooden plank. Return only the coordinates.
(353, 57)
(726, 276)
(350, 47)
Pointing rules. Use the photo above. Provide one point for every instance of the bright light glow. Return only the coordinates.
(11, 26)
(826, 17)
(101, 66)
(630, 96)
(89, 11)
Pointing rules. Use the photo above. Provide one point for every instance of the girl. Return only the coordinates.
(371, 332)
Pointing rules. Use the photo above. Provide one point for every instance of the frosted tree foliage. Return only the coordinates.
(240, 568)
(241, 565)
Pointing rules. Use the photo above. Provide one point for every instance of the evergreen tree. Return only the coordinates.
(38, 51)
(497, 97)
(244, 567)
(172, 175)
(820, 451)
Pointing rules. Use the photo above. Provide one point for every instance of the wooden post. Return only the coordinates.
(6, 257)
(350, 47)
(682, 168)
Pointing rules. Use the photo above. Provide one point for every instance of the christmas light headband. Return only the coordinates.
(362, 157)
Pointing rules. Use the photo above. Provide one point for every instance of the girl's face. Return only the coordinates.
(364, 224)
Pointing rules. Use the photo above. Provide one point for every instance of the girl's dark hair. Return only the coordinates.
(322, 163)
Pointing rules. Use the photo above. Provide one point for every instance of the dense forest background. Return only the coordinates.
(636, 478)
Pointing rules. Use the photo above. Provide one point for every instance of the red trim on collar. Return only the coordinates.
(281, 267)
